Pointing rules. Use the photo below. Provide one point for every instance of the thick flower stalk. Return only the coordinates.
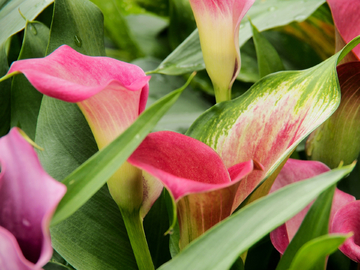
(218, 23)
(28, 199)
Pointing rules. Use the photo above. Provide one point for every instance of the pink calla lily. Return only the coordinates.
(91, 81)
(110, 93)
(28, 199)
(218, 22)
(294, 171)
(346, 220)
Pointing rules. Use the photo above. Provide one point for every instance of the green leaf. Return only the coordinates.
(182, 21)
(313, 255)
(156, 223)
(146, 30)
(265, 15)
(315, 224)
(93, 174)
(11, 21)
(5, 93)
(219, 247)
(79, 24)
(268, 59)
(25, 99)
(188, 107)
(95, 236)
(117, 27)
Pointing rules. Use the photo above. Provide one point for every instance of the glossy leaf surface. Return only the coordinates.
(11, 21)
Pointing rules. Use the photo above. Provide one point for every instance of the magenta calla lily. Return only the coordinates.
(294, 171)
(204, 191)
(346, 220)
(218, 22)
(28, 199)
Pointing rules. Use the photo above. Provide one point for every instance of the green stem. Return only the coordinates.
(222, 94)
(135, 230)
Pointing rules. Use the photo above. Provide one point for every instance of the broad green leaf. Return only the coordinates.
(265, 15)
(317, 31)
(78, 24)
(156, 223)
(146, 30)
(25, 99)
(188, 107)
(219, 247)
(313, 255)
(95, 236)
(182, 21)
(5, 93)
(56, 266)
(117, 27)
(93, 174)
(271, 119)
(11, 20)
(315, 224)
(268, 59)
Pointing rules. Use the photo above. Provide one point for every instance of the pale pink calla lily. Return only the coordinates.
(203, 188)
(28, 199)
(294, 171)
(218, 22)
(346, 220)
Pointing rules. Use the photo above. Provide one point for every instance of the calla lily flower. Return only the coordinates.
(294, 171)
(110, 93)
(203, 188)
(28, 199)
(218, 23)
(346, 220)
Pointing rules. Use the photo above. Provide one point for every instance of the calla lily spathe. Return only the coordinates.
(218, 23)
(110, 93)
(28, 199)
